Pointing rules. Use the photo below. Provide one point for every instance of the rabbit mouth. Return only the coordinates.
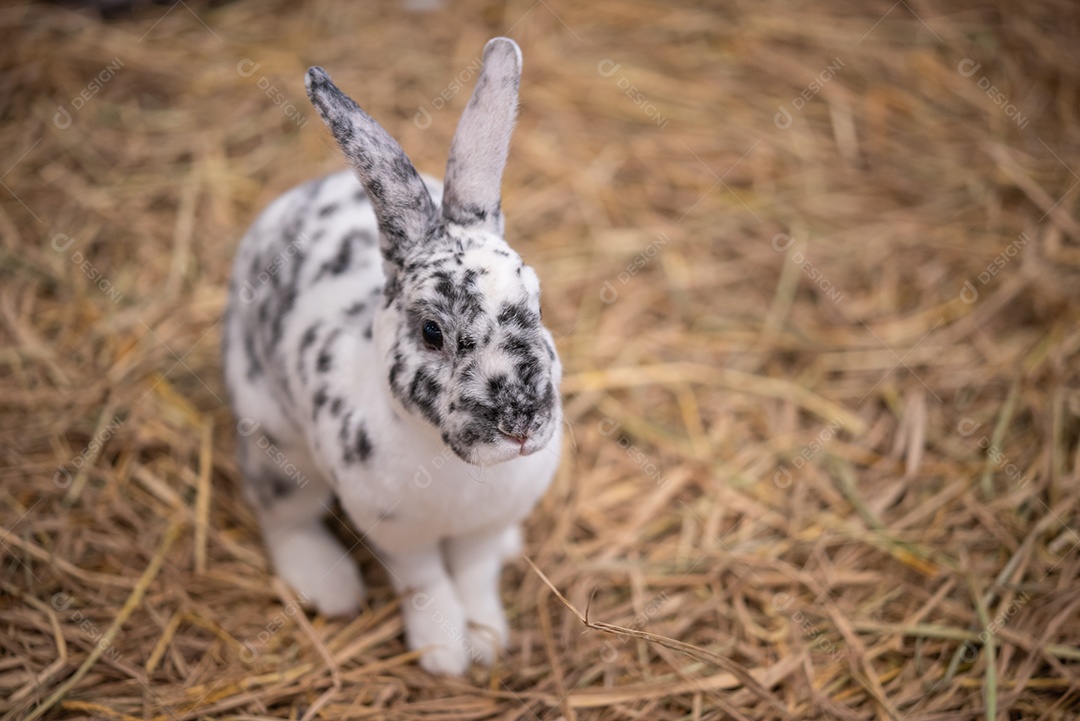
(505, 447)
(525, 445)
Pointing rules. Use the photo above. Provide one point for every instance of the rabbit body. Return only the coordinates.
(383, 345)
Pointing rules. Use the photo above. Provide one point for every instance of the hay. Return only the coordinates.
(816, 291)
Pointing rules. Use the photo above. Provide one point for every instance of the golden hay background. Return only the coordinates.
(801, 444)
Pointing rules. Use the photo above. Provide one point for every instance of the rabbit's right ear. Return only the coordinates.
(482, 141)
(407, 216)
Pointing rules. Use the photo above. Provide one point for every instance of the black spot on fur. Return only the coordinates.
(318, 401)
(327, 209)
(335, 407)
(306, 341)
(310, 335)
(355, 446)
(375, 189)
(326, 359)
(325, 362)
(424, 391)
(496, 384)
(343, 433)
(285, 302)
(339, 263)
(272, 486)
(457, 297)
(517, 314)
(362, 446)
(254, 366)
(393, 288)
(527, 371)
(516, 346)
(395, 370)
(368, 331)
(356, 308)
(280, 486)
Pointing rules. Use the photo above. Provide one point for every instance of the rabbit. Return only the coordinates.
(383, 344)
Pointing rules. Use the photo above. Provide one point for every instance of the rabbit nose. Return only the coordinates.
(518, 438)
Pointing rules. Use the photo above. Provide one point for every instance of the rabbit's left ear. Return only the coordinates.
(482, 141)
(407, 216)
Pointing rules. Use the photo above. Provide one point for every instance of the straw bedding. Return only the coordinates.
(815, 274)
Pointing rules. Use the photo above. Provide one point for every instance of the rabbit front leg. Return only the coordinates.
(434, 617)
(290, 508)
(475, 562)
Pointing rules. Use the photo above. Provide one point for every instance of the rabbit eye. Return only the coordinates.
(432, 334)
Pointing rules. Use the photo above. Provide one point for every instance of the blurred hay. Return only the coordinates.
(821, 368)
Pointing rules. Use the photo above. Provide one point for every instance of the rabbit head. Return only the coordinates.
(459, 329)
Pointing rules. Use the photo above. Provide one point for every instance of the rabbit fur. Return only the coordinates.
(383, 344)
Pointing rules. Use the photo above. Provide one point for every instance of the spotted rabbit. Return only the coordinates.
(383, 344)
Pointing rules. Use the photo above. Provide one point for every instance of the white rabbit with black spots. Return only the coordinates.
(383, 344)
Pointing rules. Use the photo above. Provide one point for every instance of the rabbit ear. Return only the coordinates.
(482, 141)
(403, 206)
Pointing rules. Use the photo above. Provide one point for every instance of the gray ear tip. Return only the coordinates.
(315, 76)
(504, 47)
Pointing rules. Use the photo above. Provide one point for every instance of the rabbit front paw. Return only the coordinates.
(319, 569)
(487, 639)
(435, 623)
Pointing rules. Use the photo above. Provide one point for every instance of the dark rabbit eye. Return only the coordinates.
(432, 334)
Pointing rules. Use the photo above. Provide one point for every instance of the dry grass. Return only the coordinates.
(824, 481)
